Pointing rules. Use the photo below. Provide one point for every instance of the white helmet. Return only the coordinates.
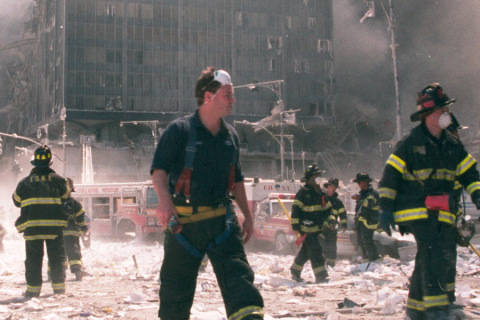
(222, 76)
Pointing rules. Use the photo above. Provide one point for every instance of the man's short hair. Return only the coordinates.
(206, 83)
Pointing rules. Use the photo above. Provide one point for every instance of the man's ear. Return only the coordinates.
(208, 96)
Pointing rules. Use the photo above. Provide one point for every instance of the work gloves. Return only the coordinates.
(386, 220)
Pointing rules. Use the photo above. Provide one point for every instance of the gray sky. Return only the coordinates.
(438, 42)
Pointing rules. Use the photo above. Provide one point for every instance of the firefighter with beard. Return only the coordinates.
(417, 193)
(366, 216)
(40, 197)
(310, 210)
(330, 230)
(76, 226)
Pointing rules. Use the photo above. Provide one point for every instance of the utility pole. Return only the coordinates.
(393, 47)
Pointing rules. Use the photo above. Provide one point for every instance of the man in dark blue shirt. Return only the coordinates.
(195, 172)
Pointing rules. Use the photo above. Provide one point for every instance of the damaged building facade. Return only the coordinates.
(108, 76)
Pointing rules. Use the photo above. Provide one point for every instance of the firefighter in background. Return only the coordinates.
(330, 230)
(366, 216)
(417, 190)
(40, 196)
(310, 210)
(71, 235)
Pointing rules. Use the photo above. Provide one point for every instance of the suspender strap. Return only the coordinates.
(221, 238)
(186, 175)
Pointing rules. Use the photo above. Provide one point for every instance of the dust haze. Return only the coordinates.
(437, 41)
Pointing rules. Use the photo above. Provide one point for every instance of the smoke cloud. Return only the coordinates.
(438, 41)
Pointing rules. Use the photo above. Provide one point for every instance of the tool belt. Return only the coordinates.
(189, 214)
(438, 202)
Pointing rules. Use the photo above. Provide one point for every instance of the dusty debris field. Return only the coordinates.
(118, 290)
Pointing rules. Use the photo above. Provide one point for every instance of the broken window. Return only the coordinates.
(274, 43)
(271, 64)
(311, 23)
(110, 9)
(323, 46)
(289, 22)
(238, 18)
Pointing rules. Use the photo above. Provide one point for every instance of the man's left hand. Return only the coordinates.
(247, 229)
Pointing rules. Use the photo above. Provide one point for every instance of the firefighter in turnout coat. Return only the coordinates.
(40, 197)
(330, 230)
(76, 226)
(366, 216)
(417, 193)
(310, 210)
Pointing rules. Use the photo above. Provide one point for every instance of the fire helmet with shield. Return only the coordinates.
(432, 97)
(331, 182)
(70, 184)
(312, 170)
(362, 176)
(42, 157)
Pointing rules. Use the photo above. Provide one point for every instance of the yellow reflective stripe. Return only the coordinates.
(66, 195)
(450, 286)
(387, 193)
(343, 221)
(34, 289)
(410, 214)
(444, 174)
(369, 226)
(341, 210)
(42, 223)
(58, 286)
(473, 187)
(79, 212)
(319, 269)
(447, 217)
(74, 262)
(317, 208)
(310, 229)
(457, 185)
(415, 304)
(40, 201)
(435, 301)
(16, 197)
(468, 162)
(298, 203)
(397, 163)
(72, 233)
(297, 267)
(41, 237)
(245, 312)
(295, 221)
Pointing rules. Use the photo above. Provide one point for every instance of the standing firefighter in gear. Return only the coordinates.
(366, 216)
(417, 193)
(40, 197)
(310, 210)
(195, 170)
(330, 230)
(76, 226)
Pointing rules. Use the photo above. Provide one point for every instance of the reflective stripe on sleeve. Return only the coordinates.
(397, 163)
(473, 187)
(410, 214)
(465, 165)
(387, 193)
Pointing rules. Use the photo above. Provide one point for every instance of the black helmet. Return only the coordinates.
(70, 184)
(430, 98)
(42, 157)
(331, 182)
(362, 176)
(312, 170)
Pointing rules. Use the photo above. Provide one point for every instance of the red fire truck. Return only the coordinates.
(120, 209)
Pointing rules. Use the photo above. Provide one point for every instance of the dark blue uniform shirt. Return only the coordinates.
(209, 180)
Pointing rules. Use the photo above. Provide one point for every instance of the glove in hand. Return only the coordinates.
(386, 220)
(403, 230)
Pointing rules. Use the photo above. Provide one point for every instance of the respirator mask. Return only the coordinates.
(445, 120)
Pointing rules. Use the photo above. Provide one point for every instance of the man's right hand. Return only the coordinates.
(386, 220)
(163, 216)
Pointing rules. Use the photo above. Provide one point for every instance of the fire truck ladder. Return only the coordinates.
(330, 163)
(87, 172)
